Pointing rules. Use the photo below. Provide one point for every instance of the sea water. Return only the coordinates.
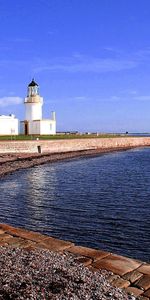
(101, 202)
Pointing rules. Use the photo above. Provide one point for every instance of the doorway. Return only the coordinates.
(26, 129)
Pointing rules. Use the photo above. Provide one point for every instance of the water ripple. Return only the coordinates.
(100, 202)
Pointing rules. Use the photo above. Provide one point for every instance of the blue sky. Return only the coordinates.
(91, 59)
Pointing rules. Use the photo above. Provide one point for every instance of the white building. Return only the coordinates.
(33, 123)
(8, 125)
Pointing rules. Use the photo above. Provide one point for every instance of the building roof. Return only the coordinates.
(7, 117)
(33, 83)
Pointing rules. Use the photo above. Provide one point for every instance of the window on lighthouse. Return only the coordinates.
(33, 90)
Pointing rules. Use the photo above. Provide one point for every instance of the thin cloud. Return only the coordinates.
(4, 48)
(108, 99)
(85, 65)
(20, 40)
(115, 98)
(80, 63)
(142, 98)
(130, 96)
(8, 63)
(8, 101)
(79, 98)
(143, 54)
(133, 92)
(51, 32)
(68, 99)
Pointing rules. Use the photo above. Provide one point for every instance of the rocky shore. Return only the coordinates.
(43, 275)
(13, 162)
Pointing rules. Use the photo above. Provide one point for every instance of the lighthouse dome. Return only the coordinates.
(32, 83)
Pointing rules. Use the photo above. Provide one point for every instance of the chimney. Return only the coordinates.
(53, 116)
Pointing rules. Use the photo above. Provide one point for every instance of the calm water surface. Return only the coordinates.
(101, 202)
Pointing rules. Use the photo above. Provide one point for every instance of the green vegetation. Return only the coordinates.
(57, 137)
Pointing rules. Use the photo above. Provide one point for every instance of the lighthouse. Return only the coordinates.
(33, 123)
(33, 103)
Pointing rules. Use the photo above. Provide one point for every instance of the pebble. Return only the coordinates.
(44, 275)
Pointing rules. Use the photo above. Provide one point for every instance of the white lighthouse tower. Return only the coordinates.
(33, 123)
(33, 103)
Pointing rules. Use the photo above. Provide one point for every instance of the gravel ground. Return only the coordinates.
(41, 274)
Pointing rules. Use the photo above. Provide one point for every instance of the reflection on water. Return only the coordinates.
(100, 202)
(37, 189)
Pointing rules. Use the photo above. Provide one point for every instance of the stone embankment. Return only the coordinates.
(69, 145)
(131, 275)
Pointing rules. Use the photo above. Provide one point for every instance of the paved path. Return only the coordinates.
(129, 274)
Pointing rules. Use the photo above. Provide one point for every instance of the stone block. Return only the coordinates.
(120, 283)
(14, 242)
(83, 260)
(133, 290)
(145, 269)
(5, 236)
(147, 293)
(117, 264)
(29, 235)
(53, 244)
(27, 244)
(23, 233)
(88, 252)
(133, 276)
(113, 277)
(3, 243)
(144, 282)
(6, 227)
